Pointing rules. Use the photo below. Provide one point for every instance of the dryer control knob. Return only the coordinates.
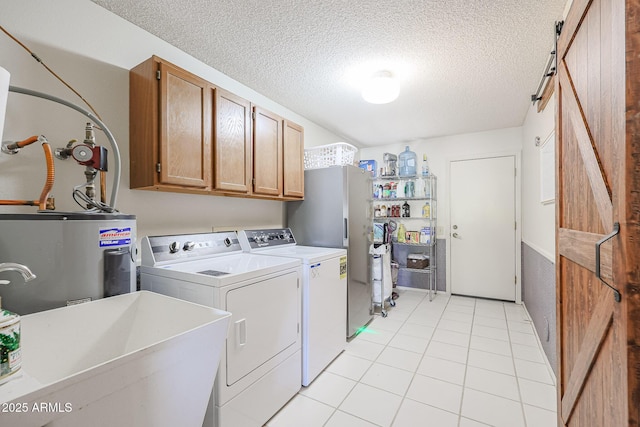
(188, 246)
(174, 247)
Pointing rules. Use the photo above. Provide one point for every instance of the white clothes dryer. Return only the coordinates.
(259, 369)
(324, 294)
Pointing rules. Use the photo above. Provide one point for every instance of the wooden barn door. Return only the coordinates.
(598, 187)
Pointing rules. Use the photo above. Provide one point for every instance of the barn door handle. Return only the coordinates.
(616, 230)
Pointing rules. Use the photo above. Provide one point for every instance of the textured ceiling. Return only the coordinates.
(464, 65)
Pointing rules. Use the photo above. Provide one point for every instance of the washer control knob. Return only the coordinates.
(174, 247)
(188, 246)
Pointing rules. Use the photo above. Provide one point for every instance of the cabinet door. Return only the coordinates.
(185, 128)
(293, 160)
(231, 142)
(267, 153)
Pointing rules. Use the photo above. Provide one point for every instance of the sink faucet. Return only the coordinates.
(22, 269)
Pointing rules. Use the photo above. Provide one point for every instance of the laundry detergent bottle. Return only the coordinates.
(402, 233)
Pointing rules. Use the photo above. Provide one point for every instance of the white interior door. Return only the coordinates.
(483, 227)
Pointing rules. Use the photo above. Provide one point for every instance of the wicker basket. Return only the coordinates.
(336, 154)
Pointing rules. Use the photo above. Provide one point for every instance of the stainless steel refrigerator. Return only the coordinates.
(336, 213)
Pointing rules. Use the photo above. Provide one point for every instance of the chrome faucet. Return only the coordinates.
(22, 269)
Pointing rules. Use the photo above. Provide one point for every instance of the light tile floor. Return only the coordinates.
(454, 361)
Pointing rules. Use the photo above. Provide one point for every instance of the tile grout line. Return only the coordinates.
(466, 365)
(513, 361)
(398, 331)
(404, 395)
(359, 381)
(337, 408)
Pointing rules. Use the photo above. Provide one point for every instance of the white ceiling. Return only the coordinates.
(464, 65)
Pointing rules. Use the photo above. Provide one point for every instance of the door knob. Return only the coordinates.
(455, 235)
(455, 227)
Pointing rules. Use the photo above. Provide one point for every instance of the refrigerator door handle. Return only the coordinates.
(346, 230)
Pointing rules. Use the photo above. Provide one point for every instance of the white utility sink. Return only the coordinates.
(139, 359)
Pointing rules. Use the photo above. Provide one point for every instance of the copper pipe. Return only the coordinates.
(48, 185)
(20, 202)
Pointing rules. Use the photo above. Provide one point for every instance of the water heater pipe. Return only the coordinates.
(112, 141)
(48, 185)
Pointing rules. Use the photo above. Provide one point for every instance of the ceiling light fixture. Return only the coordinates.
(381, 88)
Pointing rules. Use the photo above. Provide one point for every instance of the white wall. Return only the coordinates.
(93, 50)
(538, 220)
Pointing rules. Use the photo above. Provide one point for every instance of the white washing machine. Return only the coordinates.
(324, 294)
(259, 370)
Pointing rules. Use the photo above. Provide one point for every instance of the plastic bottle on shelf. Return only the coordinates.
(402, 233)
(410, 189)
(426, 210)
(407, 163)
(425, 165)
(400, 189)
(419, 188)
(406, 210)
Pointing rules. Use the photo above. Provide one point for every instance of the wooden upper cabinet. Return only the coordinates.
(231, 142)
(267, 153)
(293, 159)
(170, 134)
(187, 135)
(185, 123)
